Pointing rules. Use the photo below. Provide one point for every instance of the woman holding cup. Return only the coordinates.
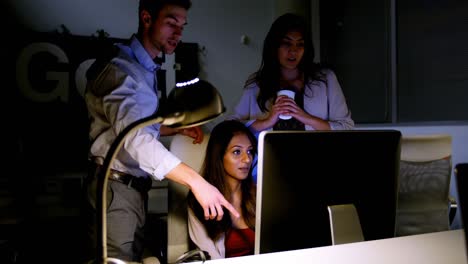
(290, 91)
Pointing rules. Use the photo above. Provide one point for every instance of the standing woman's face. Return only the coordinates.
(291, 50)
(238, 157)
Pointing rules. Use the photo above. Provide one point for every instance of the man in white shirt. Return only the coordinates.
(122, 93)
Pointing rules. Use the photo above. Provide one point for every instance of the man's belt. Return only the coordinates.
(141, 184)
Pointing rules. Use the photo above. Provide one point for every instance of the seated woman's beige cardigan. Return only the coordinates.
(200, 237)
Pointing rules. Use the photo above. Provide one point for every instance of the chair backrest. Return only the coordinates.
(424, 184)
(345, 226)
(177, 231)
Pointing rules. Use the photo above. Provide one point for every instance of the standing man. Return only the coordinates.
(123, 92)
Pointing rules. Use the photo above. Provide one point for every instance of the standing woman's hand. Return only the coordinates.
(270, 120)
(276, 109)
(291, 108)
(285, 106)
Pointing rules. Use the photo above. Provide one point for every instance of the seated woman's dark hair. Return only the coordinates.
(213, 171)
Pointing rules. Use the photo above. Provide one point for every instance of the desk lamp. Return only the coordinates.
(189, 104)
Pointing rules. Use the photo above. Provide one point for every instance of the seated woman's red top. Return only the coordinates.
(239, 242)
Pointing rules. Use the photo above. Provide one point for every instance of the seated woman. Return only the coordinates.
(228, 166)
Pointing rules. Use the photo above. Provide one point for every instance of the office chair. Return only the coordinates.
(177, 229)
(425, 170)
(345, 226)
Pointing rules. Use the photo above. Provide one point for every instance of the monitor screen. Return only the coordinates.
(300, 173)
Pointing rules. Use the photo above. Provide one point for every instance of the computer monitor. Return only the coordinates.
(300, 173)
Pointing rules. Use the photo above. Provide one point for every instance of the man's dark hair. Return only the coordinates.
(154, 6)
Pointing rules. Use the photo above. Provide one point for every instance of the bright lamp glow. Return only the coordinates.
(182, 84)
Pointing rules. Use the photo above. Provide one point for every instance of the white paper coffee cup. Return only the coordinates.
(289, 94)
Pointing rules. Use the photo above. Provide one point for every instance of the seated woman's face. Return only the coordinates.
(238, 157)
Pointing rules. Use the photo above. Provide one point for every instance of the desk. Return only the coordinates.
(446, 247)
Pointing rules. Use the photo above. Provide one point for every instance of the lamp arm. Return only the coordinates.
(104, 176)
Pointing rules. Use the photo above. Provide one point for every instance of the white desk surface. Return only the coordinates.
(446, 247)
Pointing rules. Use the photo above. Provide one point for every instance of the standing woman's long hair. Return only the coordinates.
(269, 74)
(213, 171)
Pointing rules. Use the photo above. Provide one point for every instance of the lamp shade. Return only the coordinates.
(191, 104)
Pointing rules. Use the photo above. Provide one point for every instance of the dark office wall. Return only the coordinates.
(427, 54)
(355, 42)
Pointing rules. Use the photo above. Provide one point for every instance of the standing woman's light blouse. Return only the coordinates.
(323, 99)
